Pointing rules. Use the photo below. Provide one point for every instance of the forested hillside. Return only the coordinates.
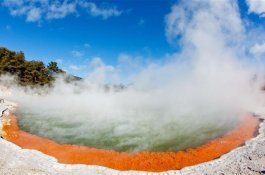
(29, 73)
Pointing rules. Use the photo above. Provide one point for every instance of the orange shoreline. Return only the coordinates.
(143, 161)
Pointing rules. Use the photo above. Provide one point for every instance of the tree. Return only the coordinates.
(53, 68)
(10, 61)
(34, 73)
(30, 73)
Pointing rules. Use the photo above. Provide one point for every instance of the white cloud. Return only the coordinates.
(256, 6)
(34, 14)
(39, 10)
(257, 49)
(13, 2)
(60, 10)
(94, 10)
(77, 54)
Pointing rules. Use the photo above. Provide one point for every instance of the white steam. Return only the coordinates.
(213, 77)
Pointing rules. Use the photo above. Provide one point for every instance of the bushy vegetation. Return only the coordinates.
(29, 73)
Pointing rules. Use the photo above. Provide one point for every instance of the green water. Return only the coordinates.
(151, 133)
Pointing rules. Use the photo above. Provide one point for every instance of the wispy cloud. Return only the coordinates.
(77, 54)
(34, 14)
(60, 10)
(94, 10)
(256, 6)
(258, 49)
(39, 10)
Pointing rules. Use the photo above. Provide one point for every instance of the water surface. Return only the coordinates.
(145, 132)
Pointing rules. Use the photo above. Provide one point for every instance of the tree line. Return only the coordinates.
(29, 73)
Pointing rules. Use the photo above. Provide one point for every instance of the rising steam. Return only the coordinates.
(214, 77)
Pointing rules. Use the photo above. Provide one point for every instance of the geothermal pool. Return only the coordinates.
(142, 132)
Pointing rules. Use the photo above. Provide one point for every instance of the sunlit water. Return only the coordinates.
(146, 133)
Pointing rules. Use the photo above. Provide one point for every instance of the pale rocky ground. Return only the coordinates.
(248, 159)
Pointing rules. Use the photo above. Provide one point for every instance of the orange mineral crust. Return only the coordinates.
(144, 161)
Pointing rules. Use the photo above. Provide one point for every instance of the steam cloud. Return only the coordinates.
(213, 77)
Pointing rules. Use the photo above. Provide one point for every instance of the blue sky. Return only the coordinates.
(73, 36)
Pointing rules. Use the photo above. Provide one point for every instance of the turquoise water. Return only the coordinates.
(149, 133)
